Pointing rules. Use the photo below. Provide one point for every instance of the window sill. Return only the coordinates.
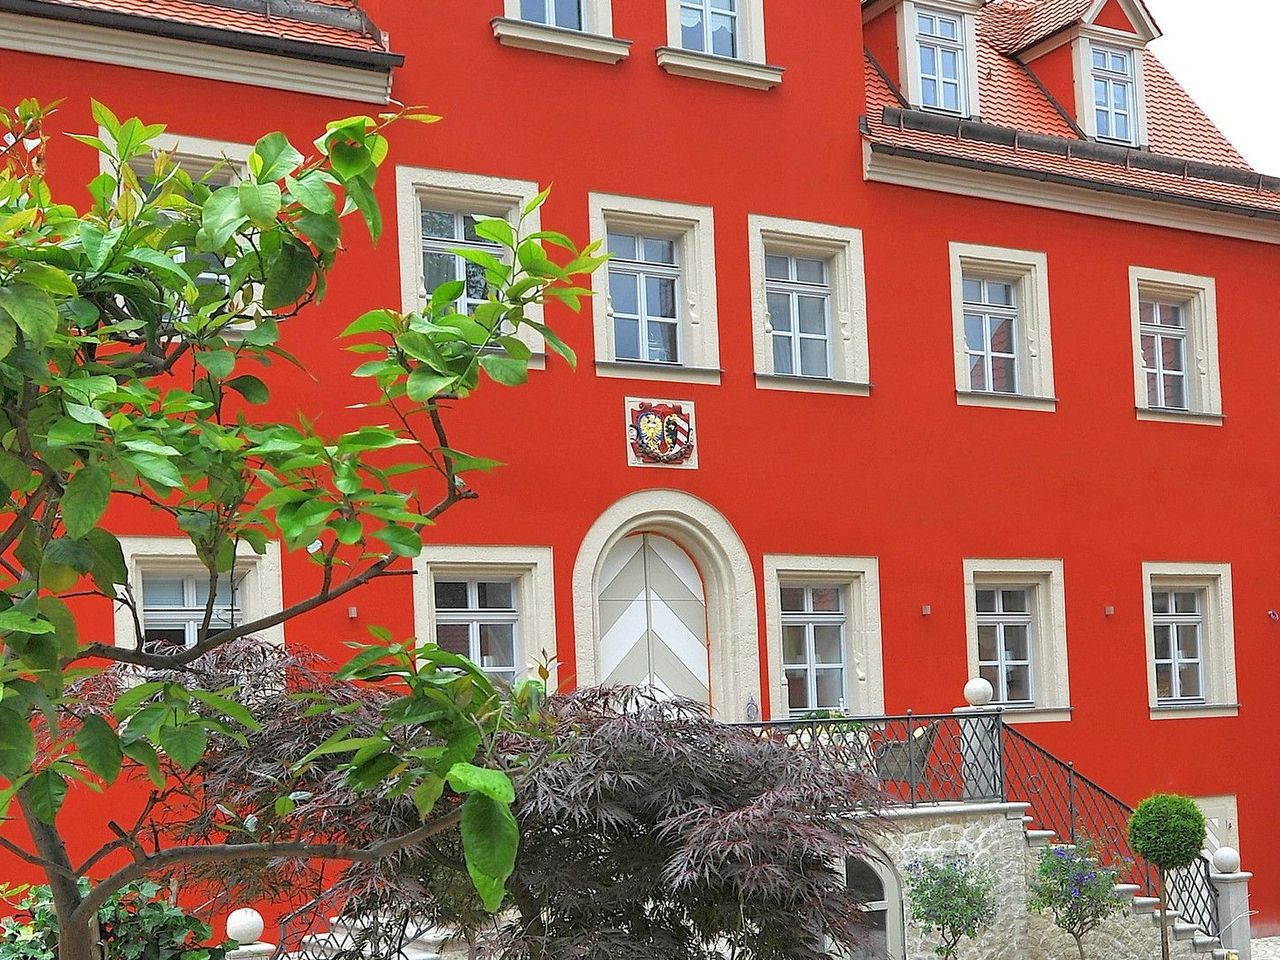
(705, 66)
(1180, 416)
(638, 370)
(1193, 711)
(558, 40)
(777, 381)
(1034, 714)
(1008, 401)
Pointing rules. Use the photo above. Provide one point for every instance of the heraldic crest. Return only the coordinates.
(661, 432)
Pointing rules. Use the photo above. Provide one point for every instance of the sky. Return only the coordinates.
(1224, 53)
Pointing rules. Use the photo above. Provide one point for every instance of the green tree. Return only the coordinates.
(1168, 831)
(120, 379)
(952, 898)
(1073, 886)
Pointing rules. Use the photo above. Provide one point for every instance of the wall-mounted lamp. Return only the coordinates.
(1109, 611)
(926, 610)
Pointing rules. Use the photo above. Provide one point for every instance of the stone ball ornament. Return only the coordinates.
(245, 925)
(1226, 860)
(978, 692)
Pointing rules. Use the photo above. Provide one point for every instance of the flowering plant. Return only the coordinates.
(952, 898)
(1073, 886)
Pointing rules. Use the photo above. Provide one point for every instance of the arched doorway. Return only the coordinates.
(699, 547)
(653, 618)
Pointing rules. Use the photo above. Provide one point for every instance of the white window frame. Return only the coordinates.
(1043, 579)
(1198, 297)
(1126, 79)
(419, 188)
(693, 229)
(643, 269)
(474, 617)
(260, 592)
(864, 655)
(842, 249)
(1028, 270)
(938, 45)
(595, 41)
(1000, 619)
(531, 570)
(809, 620)
(749, 68)
(1217, 637)
(1082, 48)
(909, 53)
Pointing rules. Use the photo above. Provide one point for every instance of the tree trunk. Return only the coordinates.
(75, 941)
(1164, 916)
(1080, 947)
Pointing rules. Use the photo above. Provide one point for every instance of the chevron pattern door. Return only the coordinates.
(653, 619)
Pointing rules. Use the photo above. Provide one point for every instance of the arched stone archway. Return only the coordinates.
(702, 532)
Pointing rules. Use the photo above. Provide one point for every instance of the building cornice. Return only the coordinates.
(144, 43)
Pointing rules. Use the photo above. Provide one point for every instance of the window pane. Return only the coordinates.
(986, 601)
(990, 672)
(477, 283)
(569, 14)
(972, 291)
(724, 35)
(950, 96)
(622, 246)
(811, 271)
(928, 61)
(1016, 645)
(1171, 353)
(659, 251)
(1014, 601)
(497, 645)
(792, 598)
(827, 644)
(987, 645)
(780, 311)
(1186, 601)
(1004, 378)
(830, 687)
(794, 649)
(451, 595)
(222, 592)
(929, 92)
(864, 883)
(1159, 601)
(1189, 680)
(454, 637)
(164, 639)
(1170, 315)
(1175, 392)
(1002, 336)
(1148, 351)
(950, 65)
(1104, 122)
(977, 374)
(663, 342)
(436, 223)
(1153, 389)
(782, 360)
(797, 690)
(777, 268)
(437, 268)
(535, 10)
(1146, 311)
(660, 297)
(498, 595)
(624, 292)
(469, 229)
(691, 29)
(1018, 680)
(974, 332)
(160, 591)
(626, 338)
(1164, 681)
(826, 599)
(813, 358)
(1121, 127)
(1188, 641)
(1163, 642)
(813, 314)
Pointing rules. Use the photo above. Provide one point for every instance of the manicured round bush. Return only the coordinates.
(1167, 830)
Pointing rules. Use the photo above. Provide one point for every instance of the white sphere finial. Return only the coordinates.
(978, 692)
(245, 926)
(1226, 860)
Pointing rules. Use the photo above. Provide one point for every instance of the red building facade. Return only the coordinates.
(935, 345)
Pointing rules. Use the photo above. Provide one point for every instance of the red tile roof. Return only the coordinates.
(1176, 125)
(257, 21)
(1013, 25)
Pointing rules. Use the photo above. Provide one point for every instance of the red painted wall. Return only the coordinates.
(1056, 71)
(905, 474)
(881, 38)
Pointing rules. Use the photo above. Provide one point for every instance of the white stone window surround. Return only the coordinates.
(842, 249)
(1082, 52)
(864, 654)
(1217, 641)
(893, 903)
(693, 229)
(457, 192)
(260, 592)
(595, 41)
(1043, 578)
(748, 69)
(1028, 270)
(529, 566)
(909, 55)
(1199, 297)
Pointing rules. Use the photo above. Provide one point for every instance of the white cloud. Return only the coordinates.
(1224, 54)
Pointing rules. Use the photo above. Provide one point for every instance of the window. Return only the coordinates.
(444, 236)
(570, 28)
(644, 280)
(799, 295)
(436, 212)
(479, 620)
(813, 647)
(1016, 625)
(1000, 312)
(493, 605)
(1175, 337)
(1005, 641)
(873, 882)
(170, 588)
(940, 46)
(1190, 639)
(720, 40)
(553, 13)
(1113, 92)
(655, 303)
(822, 630)
(991, 334)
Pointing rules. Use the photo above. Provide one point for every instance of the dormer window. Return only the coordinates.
(1113, 93)
(940, 48)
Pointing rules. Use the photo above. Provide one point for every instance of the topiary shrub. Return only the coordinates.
(1168, 831)
(952, 898)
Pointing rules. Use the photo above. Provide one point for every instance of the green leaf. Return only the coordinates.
(367, 204)
(45, 794)
(311, 191)
(218, 362)
(427, 793)
(85, 500)
(222, 216)
(185, 745)
(494, 784)
(228, 708)
(174, 275)
(401, 540)
(76, 554)
(260, 202)
(48, 278)
(156, 469)
(375, 321)
(8, 335)
(19, 621)
(131, 699)
(423, 384)
(99, 746)
(505, 370)
(17, 743)
(322, 229)
(33, 310)
(289, 276)
(65, 625)
(490, 840)
(251, 388)
(108, 559)
(142, 752)
(274, 157)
